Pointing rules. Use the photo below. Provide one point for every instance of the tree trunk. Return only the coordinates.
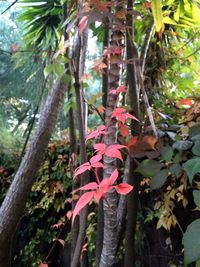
(133, 178)
(110, 239)
(15, 200)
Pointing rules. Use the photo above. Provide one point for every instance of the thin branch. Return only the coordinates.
(13, 3)
(145, 46)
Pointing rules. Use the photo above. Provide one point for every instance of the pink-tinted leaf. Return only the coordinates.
(114, 154)
(116, 146)
(82, 202)
(113, 177)
(113, 151)
(100, 148)
(84, 167)
(123, 129)
(98, 165)
(131, 117)
(101, 128)
(117, 111)
(121, 88)
(82, 24)
(91, 135)
(123, 188)
(95, 159)
(43, 265)
(89, 186)
(98, 195)
(69, 215)
(84, 249)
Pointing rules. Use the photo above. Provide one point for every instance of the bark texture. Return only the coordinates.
(15, 200)
(110, 202)
(133, 72)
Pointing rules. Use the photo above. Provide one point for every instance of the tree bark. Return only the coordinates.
(133, 72)
(110, 202)
(15, 200)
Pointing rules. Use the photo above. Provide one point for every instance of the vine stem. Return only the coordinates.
(55, 241)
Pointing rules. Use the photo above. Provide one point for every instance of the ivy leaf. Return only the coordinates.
(182, 145)
(196, 196)
(159, 179)
(149, 168)
(196, 148)
(191, 242)
(192, 167)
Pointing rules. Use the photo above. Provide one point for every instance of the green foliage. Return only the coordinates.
(42, 23)
(191, 243)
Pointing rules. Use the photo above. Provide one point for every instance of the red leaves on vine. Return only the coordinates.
(99, 66)
(98, 190)
(93, 163)
(112, 151)
(113, 50)
(100, 130)
(123, 129)
(120, 89)
(121, 115)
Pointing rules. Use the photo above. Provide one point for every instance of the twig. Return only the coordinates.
(13, 3)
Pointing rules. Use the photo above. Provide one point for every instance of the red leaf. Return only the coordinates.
(113, 151)
(123, 188)
(43, 265)
(84, 248)
(89, 186)
(121, 115)
(81, 203)
(98, 194)
(185, 102)
(131, 117)
(113, 177)
(100, 130)
(98, 165)
(120, 89)
(100, 148)
(69, 215)
(82, 24)
(95, 159)
(84, 167)
(123, 129)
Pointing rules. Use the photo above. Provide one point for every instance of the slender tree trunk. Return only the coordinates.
(110, 239)
(133, 178)
(83, 155)
(100, 219)
(15, 200)
(105, 73)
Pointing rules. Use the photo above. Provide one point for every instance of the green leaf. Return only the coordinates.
(156, 6)
(167, 153)
(149, 168)
(195, 130)
(196, 196)
(196, 148)
(198, 263)
(191, 242)
(48, 70)
(175, 169)
(182, 145)
(192, 167)
(159, 179)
